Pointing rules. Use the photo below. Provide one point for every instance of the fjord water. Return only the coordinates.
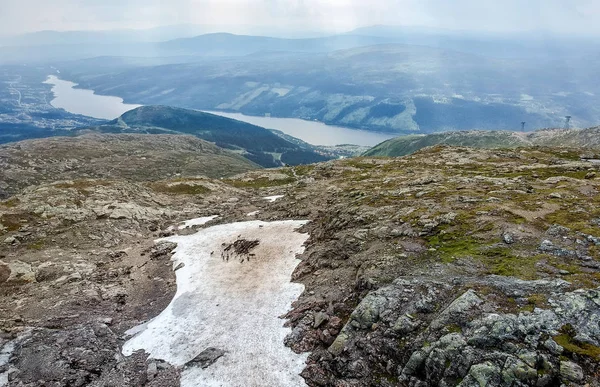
(85, 102)
(313, 132)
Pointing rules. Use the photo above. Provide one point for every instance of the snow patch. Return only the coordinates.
(137, 329)
(253, 213)
(5, 354)
(273, 198)
(196, 222)
(232, 305)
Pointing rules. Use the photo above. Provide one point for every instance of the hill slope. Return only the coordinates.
(253, 142)
(133, 157)
(401, 146)
(453, 266)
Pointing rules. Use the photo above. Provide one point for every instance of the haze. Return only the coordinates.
(564, 17)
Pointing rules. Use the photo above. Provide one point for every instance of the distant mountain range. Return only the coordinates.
(575, 138)
(64, 46)
(396, 88)
(381, 78)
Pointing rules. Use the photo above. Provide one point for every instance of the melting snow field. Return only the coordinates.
(232, 306)
(273, 198)
(196, 222)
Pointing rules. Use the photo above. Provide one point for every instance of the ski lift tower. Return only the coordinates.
(567, 122)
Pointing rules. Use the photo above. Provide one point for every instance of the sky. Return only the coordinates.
(578, 17)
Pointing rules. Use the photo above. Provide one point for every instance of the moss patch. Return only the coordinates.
(10, 203)
(180, 188)
(566, 339)
(262, 182)
(82, 186)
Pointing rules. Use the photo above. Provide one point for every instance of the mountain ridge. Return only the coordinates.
(405, 145)
(253, 142)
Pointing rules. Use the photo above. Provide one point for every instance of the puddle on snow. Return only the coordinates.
(231, 305)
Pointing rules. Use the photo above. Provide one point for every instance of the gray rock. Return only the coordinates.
(74, 277)
(368, 311)
(361, 234)
(553, 347)
(482, 375)
(319, 319)
(405, 325)
(11, 240)
(457, 309)
(416, 360)
(338, 345)
(21, 272)
(547, 245)
(508, 238)
(571, 372)
(557, 230)
(152, 370)
(181, 265)
(162, 249)
(448, 218)
(207, 357)
(516, 370)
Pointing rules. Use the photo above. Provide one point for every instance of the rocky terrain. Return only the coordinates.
(452, 266)
(141, 158)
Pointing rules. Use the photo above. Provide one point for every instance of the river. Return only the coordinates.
(85, 102)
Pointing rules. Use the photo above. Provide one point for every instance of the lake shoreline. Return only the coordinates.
(77, 100)
(336, 135)
(85, 101)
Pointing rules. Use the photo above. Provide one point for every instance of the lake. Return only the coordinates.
(85, 102)
(313, 132)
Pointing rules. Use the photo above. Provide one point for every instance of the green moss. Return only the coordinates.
(501, 261)
(303, 170)
(82, 186)
(10, 203)
(387, 379)
(453, 328)
(449, 248)
(262, 182)
(359, 162)
(180, 188)
(38, 245)
(566, 339)
(584, 280)
(14, 221)
(536, 300)
(575, 220)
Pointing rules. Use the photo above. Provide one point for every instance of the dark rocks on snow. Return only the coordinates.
(207, 357)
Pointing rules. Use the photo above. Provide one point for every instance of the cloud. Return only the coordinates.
(559, 16)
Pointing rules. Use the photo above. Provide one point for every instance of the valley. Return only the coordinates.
(25, 109)
(395, 88)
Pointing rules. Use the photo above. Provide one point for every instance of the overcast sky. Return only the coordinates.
(558, 16)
